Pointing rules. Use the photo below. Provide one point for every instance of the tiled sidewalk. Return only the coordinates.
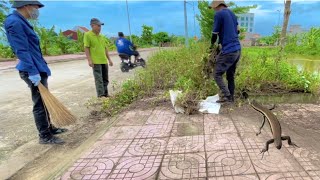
(159, 144)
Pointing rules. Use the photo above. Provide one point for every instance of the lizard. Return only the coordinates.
(274, 123)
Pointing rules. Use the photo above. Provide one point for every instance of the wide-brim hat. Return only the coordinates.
(215, 4)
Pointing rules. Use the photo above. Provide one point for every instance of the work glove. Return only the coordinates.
(35, 79)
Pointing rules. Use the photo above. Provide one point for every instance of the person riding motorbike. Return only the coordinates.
(124, 46)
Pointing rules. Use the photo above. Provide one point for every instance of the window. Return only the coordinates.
(247, 18)
(242, 24)
(251, 18)
(242, 18)
(250, 29)
(246, 24)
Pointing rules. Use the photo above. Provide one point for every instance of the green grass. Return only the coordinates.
(260, 71)
(181, 69)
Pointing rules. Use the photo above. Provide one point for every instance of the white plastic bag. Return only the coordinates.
(174, 96)
(210, 106)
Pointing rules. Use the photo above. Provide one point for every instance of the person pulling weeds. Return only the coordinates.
(226, 28)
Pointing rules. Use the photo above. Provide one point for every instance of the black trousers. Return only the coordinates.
(226, 63)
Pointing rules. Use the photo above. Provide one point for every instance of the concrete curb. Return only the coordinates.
(81, 57)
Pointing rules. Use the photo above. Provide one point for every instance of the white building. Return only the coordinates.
(246, 21)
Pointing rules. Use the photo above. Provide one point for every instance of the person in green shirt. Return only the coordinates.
(98, 57)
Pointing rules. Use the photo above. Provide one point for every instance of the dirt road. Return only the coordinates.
(71, 82)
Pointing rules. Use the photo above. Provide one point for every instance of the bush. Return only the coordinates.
(168, 69)
(6, 52)
(260, 71)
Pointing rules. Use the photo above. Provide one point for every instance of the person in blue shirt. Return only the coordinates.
(124, 46)
(226, 27)
(32, 67)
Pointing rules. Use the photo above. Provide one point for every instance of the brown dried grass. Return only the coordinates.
(59, 114)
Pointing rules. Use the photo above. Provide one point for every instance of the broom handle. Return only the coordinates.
(45, 108)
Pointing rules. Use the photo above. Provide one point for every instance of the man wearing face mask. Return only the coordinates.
(32, 67)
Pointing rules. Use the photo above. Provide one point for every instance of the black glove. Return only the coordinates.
(213, 38)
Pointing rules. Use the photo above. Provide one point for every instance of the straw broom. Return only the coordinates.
(60, 115)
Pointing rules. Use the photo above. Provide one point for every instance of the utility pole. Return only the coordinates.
(194, 20)
(128, 20)
(186, 23)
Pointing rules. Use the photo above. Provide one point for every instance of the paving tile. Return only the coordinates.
(286, 176)
(146, 147)
(252, 141)
(186, 144)
(240, 177)
(159, 119)
(185, 125)
(187, 129)
(138, 167)
(315, 175)
(250, 123)
(109, 148)
(217, 142)
(218, 124)
(90, 168)
(272, 161)
(309, 160)
(211, 117)
(122, 132)
(183, 118)
(183, 166)
(133, 118)
(163, 110)
(229, 162)
(152, 131)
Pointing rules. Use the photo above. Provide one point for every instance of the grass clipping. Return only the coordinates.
(59, 114)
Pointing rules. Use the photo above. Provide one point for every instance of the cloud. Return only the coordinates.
(260, 11)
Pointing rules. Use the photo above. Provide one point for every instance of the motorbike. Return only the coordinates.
(127, 65)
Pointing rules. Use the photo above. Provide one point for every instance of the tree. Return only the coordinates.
(4, 9)
(287, 12)
(273, 39)
(206, 16)
(161, 37)
(46, 37)
(80, 41)
(135, 39)
(147, 34)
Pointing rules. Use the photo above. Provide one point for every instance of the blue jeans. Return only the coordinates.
(40, 112)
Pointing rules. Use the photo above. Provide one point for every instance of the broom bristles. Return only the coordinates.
(59, 114)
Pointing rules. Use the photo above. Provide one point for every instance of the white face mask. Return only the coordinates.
(34, 14)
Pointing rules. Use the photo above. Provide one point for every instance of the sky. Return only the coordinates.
(166, 15)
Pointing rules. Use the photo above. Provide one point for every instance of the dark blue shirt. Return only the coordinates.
(25, 44)
(225, 24)
(124, 46)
